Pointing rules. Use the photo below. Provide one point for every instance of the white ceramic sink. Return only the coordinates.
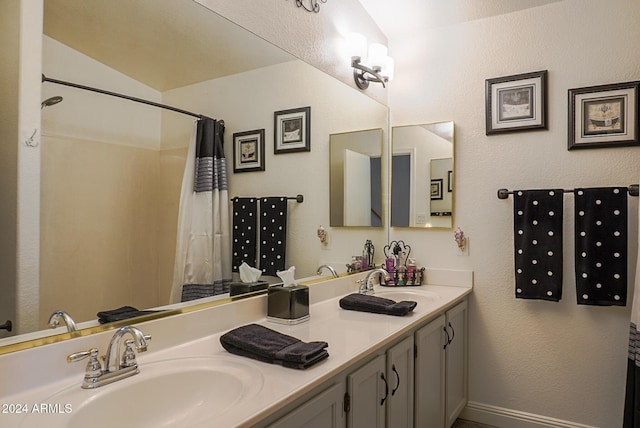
(399, 294)
(172, 393)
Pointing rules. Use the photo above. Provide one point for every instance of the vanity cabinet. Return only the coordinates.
(322, 411)
(441, 369)
(380, 393)
(420, 381)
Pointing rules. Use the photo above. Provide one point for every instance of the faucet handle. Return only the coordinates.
(94, 368)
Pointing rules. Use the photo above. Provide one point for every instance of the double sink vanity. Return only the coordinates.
(382, 370)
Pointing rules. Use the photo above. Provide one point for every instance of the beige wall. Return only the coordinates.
(555, 360)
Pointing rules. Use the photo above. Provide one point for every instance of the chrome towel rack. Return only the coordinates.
(633, 189)
(298, 198)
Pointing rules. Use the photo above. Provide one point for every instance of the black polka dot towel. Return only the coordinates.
(601, 246)
(244, 232)
(273, 233)
(537, 221)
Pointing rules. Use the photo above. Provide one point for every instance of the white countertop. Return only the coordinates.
(351, 336)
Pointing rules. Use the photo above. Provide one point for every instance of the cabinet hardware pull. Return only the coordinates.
(6, 326)
(398, 378)
(386, 389)
(448, 340)
(453, 333)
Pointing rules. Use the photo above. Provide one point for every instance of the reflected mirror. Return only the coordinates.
(111, 170)
(422, 175)
(356, 178)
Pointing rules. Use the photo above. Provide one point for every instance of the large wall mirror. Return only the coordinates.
(356, 178)
(422, 175)
(111, 170)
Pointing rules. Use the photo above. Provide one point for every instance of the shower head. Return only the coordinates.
(50, 101)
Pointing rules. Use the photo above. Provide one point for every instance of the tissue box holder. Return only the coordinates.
(236, 288)
(288, 305)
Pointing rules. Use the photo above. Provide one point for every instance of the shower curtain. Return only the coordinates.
(632, 396)
(203, 248)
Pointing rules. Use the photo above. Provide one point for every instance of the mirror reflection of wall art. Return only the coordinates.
(292, 130)
(516, 103)
(603, 116)
(248, 151)
(436, 189)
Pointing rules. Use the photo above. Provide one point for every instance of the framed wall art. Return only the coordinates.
(292, 130)
(603, 116)
(516, 103)
(248, 151)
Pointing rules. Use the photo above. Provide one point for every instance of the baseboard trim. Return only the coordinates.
(503, 418)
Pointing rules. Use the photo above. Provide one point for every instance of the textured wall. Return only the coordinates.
(317, 38)
(559, 360)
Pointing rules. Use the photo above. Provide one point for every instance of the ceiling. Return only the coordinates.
(164, 44)
(407, 17)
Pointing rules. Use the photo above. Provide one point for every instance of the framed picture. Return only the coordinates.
(248, 151)
(436, 189)
(292, 130)
(516, 103)
(449, 181)
(603, 116)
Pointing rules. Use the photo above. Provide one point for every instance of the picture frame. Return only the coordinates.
(516, 103)
(292, 130)
(449, 181)
(603, 116)
(248, 151)
(436, 189)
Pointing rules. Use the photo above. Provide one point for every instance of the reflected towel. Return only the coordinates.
(601, 246)
(273, 233)
(376, 305)
(263, 344)
(244, 232)
(537, 221)
(122, 313)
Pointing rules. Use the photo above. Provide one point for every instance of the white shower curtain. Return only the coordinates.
(203, 248)
(632, 393)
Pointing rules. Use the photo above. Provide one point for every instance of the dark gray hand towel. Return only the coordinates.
(376, 305)
(601, 246)
(537, 221)
(122, 313)
(263, 344)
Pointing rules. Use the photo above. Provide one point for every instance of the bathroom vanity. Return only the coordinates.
(382, 370)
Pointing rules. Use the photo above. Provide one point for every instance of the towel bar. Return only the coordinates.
(633, 190)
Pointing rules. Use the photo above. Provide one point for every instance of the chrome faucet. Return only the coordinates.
(57, 316)
(332, 270)
(118, 364)
(366, 287)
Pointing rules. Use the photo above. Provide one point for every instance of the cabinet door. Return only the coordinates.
(368, 389)
(322, 411)
(430, 375)
(456, 354)
(400, 378)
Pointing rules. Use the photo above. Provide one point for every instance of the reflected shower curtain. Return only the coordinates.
(203, 248)
(632, 396)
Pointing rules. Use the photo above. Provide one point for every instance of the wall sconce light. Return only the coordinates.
(380, 64)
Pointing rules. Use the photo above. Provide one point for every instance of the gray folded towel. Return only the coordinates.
(377, 305)
(269, 346)
(122, 313)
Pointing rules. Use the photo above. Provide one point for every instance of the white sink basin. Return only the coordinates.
(407, 294)
(171, 393)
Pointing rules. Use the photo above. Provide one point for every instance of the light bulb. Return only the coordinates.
(377, 54)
